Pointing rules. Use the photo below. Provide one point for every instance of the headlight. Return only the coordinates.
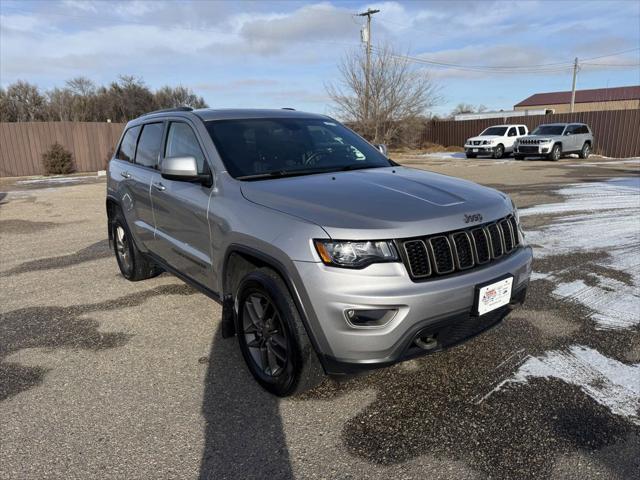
(349, 254)
(544, 140)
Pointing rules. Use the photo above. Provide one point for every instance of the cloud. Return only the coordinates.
(272, 33)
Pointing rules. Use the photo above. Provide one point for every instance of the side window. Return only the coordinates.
(572, 129)
(512, 132)
(583, 129)
(181, 141)
(127, 150)
(522, 130)
(149, 145)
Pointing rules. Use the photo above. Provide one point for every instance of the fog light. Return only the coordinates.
(369, 318)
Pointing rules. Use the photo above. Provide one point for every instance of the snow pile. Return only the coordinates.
(603, 216)
(607, 381)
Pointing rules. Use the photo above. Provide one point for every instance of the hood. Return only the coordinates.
(485, 137)
(380, 203)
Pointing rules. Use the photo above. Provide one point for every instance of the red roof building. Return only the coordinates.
(617, 98)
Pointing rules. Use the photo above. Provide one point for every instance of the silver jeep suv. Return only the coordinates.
(327, 257)
(554, 140)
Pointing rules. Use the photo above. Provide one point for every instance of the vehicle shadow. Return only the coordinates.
(244, 437)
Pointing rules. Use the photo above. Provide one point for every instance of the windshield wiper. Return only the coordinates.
(279, 174)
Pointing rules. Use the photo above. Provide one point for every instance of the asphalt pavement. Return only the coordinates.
(104, 378)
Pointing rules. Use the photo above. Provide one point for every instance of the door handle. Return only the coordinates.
(159, 186)
(125, 174)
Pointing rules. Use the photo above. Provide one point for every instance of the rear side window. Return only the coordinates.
(512, 132)
(127, 150)
(149, 145)
(181, 142)
(522, 130)
(583, 129)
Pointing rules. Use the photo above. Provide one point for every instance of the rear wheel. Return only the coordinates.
(556, 153)
(498, 152)
(586, 151)
(272, 338)
(133, 265)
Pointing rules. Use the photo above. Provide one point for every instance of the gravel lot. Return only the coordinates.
(102, 378)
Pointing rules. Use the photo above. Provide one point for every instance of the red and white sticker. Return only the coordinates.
(494, 296)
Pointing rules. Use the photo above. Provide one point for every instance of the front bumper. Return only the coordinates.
(479, 149)
(439, 305)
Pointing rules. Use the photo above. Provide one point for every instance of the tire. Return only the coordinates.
(133, 265)
(471, 155)
(519, 157)
(498, 152)
(586, 151)
(272, 338)
(556, 153)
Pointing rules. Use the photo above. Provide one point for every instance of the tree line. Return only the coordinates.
(81, 100)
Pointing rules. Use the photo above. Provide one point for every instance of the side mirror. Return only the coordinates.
(182, 169)
(566, 134)
(382, 148)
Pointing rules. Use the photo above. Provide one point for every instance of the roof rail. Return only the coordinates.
(288, 108)
(175, 109)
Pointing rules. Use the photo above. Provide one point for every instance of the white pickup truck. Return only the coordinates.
(495, 141)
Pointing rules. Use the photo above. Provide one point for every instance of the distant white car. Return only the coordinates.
(495, 141)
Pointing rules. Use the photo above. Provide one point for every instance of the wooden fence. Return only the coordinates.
(22, 145)
(616, 132)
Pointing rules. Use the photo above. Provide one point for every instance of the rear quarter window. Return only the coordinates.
(522, 130)
(127, 150)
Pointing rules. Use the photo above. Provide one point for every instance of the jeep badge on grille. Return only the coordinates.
(474, 217)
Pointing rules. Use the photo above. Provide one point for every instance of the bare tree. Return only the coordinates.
(467, 108)
(398, 93)
(24, 102)
(171, 97)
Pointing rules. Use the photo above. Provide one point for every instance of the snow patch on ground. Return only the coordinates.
(602, 216)
(51, 180)
(444, 155)
(609, 382)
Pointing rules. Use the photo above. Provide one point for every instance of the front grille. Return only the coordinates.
(442, 254)
(418, 258)
(463, 251)
(528, 141)
(476, 142)
(447, 253)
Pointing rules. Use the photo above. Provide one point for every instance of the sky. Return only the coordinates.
(283, 54)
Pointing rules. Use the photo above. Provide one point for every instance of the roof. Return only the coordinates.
(583, 96)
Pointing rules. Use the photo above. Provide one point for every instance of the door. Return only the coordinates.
(142, 171)
(570, 144)
(512, 134)
(182, 229)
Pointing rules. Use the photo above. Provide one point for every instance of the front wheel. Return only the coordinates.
(556, 153)
(272, 338)
(586, 151)
(498, 152)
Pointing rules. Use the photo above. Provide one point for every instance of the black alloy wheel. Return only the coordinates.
(265, 335)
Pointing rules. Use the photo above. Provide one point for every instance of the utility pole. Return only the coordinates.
(367, 38)
(573, 87)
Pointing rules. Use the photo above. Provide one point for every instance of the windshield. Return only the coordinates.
(273, 147)
(499, 131)
(549, 130)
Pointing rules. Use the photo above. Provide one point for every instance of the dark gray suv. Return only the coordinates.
(326, 256)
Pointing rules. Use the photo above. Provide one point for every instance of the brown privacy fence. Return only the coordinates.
(616, 132)
(23, 143)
